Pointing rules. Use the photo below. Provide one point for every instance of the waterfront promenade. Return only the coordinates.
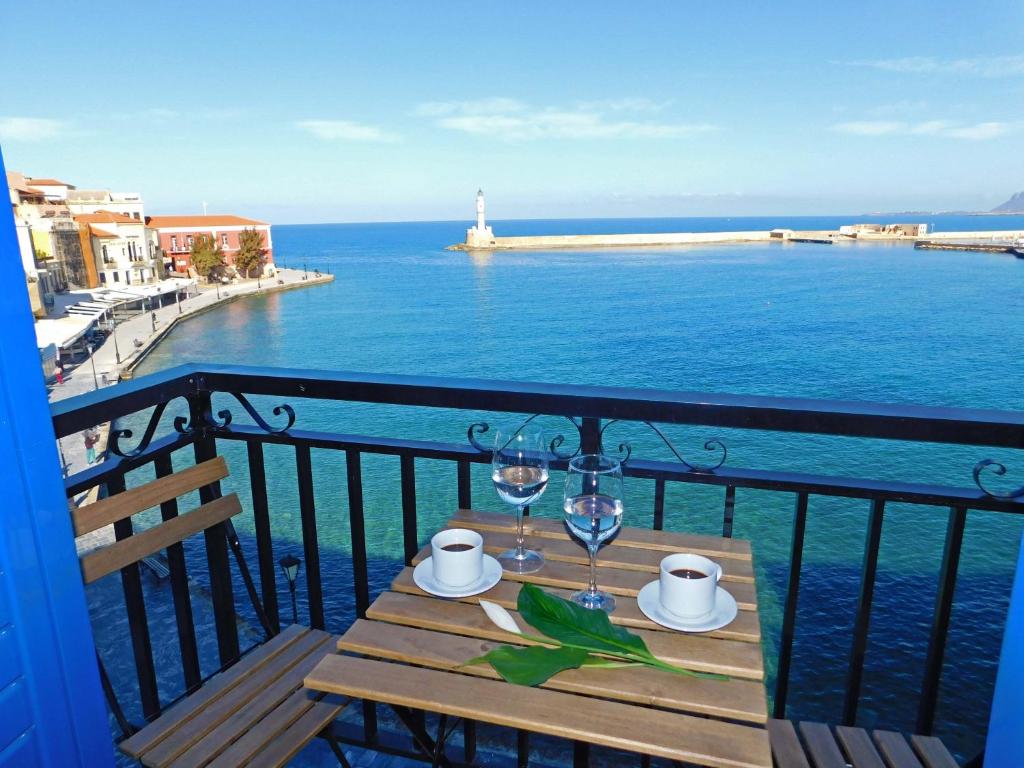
(109, 370)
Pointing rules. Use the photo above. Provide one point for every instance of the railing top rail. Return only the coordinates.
(969, 426)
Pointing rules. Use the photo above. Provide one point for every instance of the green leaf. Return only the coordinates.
(532, 665)
(575, 625)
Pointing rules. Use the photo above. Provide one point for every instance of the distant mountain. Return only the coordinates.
(1014, 205)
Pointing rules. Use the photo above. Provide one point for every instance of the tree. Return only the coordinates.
(207, 257)
(251, 253)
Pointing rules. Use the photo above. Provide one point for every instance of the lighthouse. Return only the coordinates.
(480, 236)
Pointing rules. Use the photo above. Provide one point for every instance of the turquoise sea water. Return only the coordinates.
(851, 321)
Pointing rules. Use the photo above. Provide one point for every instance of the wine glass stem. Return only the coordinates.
(520, 541)
(592, 589)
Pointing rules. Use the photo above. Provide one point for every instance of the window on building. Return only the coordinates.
(190, 241)
(224, 239)
(174, 243)
(117, 277)
(136, 216)
(104, 249)
(103, 278)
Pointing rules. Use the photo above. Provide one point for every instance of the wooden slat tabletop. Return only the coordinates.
(409, 635)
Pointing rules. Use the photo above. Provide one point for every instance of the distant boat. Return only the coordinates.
(1018, 252)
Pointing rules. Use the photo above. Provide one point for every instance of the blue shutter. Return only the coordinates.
(52, 712)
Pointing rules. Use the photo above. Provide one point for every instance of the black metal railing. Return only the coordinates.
(590, 409)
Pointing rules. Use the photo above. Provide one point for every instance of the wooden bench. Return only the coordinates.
(256, 711)
(817, 746)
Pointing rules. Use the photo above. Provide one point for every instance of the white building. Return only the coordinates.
(121, 248)
(480, 236)
(103, 201)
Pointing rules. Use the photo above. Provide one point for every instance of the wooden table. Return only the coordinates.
(409, 646)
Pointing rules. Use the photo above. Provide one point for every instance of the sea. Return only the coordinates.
(878, 322)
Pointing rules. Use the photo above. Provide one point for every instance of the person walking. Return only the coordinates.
(59, 373)
(92, 436)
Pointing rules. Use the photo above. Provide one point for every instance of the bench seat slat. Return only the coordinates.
(736, 699)
(613, 724)
(858, 747)
(220, 683)
(114, 557)
(896, 750)
(282, 749)
(786, 747)
(217, 711)
(821, 746)
(933, 753)
(260, 705)
(92, 517)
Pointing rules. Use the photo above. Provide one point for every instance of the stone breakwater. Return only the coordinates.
(615, 241)
(907, 233)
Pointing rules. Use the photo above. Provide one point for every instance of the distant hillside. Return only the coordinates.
(1014, 205)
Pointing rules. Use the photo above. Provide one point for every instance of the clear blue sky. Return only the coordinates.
(329, 111)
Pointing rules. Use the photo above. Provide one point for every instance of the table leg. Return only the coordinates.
(428, 746)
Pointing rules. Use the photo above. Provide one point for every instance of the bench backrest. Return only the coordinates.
(99, 562)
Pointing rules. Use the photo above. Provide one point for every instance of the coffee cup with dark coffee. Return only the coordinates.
(457, 555)
(688, 584)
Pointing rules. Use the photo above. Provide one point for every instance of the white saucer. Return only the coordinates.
(423, 575)
(724, 612)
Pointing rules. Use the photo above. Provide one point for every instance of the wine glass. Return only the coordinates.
(593, 512)
(520, 475)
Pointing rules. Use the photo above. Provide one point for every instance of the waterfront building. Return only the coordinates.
(54, 190)
(104, 201)
(480, 236)
(176, 234)
(120, 248)
(34, 215)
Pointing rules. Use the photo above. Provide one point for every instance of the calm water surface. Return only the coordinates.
(850, 321)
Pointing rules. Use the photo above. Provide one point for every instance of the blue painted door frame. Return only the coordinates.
(52, 712)
(1005, 744)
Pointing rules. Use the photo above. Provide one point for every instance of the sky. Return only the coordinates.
(316, 111)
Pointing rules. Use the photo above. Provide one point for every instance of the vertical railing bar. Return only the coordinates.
(522, 749)
(940, 621)
(205, 448)
(659, 504)
(310, 543)
(357, 523)
(264, 542)
(580, 754)
(138, 624)
(410, 535)
(465, 485)
(730, 506)
(863, 621)
(796, 556)
(180, 593)
(469, 740)
(360, 574)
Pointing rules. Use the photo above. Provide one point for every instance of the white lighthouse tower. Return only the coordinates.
(480, 236)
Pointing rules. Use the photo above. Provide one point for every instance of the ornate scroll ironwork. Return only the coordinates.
(116, 435)
(260, 421)
(556, 443)
(183, 425)
(996, 469)
(626, 449)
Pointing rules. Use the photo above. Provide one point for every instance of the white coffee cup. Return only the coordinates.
(690, 597)
(457, 555)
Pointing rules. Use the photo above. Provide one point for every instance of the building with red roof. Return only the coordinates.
(176, 234)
